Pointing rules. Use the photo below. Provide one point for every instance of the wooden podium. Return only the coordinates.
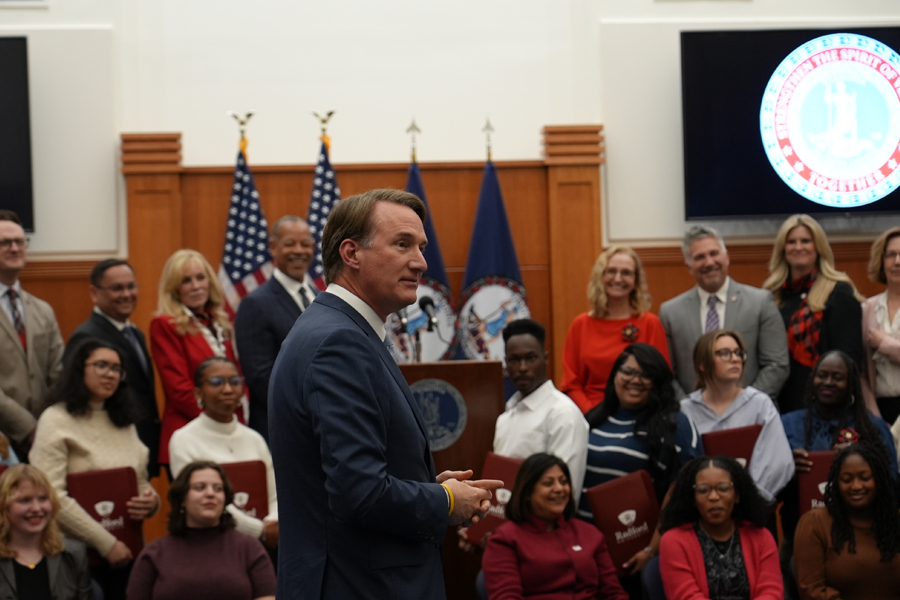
(481, 385)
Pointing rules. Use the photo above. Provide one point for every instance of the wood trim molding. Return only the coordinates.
(749, 253)
(34, 271)
(573, 145)
(151, 153)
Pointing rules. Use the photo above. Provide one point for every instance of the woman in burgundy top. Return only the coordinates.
(203, 557)
(190, 326)
(541, 551)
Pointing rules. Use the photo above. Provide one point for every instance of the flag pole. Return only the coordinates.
(412, 130)
(242, 127)
(323, 121)
(488, 130)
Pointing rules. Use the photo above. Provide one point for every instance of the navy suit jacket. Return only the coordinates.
(141, 383)
(264, 318)
(363, 516)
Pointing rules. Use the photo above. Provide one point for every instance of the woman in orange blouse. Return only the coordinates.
(619, 316)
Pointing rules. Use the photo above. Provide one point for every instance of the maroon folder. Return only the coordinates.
(812, 484)
(626, 511)
(504, 469)
(738, 443)
(105, 495)
(251, 492)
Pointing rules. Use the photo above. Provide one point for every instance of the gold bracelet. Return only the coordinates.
(449, 495)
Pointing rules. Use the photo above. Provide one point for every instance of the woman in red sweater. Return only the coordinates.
(715, 545)
(541, 551)
(190, 327)
(618, 317)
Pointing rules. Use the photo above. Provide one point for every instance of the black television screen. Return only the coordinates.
(778, 122)
(15, 139)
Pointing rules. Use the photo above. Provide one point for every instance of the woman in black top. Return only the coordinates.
(820, 305)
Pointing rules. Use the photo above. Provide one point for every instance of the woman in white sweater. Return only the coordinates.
(89, 428)
(216, 435)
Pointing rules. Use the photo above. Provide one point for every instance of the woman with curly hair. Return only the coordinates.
(819, 304)
(714, 544)
(203, 556)
(850, 549)
(35, 560)
(638, 427)
(619, 316)
(91, 428)
(190, 326)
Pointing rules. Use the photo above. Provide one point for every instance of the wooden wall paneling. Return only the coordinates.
(64, 285)
(573, 155)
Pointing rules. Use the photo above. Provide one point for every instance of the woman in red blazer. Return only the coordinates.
(714, 543)
(190, 327)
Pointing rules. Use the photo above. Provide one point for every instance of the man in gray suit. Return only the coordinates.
(719, 302)
(31, 346)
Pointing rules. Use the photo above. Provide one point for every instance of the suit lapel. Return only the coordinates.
(53, 569)
(10, 330)
(733, 305)
(6, 567)
(284, 298)
(693, 316)
(112, 332)
(31, 324)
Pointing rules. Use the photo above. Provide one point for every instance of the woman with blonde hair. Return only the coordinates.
(619, 316)
(819, 304)
(881, 330)
(35, 560)
(191, 326)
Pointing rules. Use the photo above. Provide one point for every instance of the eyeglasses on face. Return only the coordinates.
(726, 354)
(631, 373)
(101, 367)
(235, 381)
(721, 488)
(119, 287)
(8, 243)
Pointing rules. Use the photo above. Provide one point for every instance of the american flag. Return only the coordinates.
(325, 195)
(246, 261)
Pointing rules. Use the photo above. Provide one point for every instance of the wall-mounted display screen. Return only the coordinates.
(15, 139)
(791, 121)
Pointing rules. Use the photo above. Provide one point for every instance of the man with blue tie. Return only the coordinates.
(366, 513)
(114, 290)
(266, 315)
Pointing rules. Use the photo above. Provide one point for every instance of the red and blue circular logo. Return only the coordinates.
(830, 120)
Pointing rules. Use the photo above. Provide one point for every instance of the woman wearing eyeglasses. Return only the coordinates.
(639, 419)
(714, 544)
(89, 428)
(217, 436)
(620, 315)
(190, 327)
(720, 403)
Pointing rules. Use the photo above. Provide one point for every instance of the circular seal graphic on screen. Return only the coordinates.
(437, 344)
(830, 120)
(443, 409)
(488, 305)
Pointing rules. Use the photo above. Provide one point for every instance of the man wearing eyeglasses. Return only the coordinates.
(538, 417)
(31, 346)
(114, 291)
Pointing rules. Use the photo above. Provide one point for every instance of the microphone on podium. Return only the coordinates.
(426, 305)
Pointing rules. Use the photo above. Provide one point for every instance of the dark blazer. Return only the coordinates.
(264, 319)
(70, 578)
(362, 515)
(141, 383)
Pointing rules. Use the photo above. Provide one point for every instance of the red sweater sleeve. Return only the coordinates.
(174, 366)
(656, 335)
(572, 382)
(677, 566)
(501, 567)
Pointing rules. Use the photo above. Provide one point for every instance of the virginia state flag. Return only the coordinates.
(493, 293)
(439, 342)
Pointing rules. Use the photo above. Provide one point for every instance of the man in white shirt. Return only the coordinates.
(266, 315)
(719, 302)
(538, 417)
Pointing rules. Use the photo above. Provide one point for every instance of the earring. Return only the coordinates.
(199, 401)
(852, 399)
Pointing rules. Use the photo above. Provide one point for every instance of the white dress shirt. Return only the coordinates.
(367, 312)
(722, 297)
(546, 420)
(6, 301)
(293, 286)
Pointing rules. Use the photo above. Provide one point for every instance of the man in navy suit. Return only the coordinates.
(266, 315)
(114, 291)
(365, 513)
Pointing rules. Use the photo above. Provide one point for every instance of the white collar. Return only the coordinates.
(117, 324)
(223, 428)
(359, 305)
(721, 294)
(533, 399)
(289, 283)
(16, 286)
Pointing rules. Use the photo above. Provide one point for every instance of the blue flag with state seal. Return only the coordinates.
(493, 292)
(438, 338)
